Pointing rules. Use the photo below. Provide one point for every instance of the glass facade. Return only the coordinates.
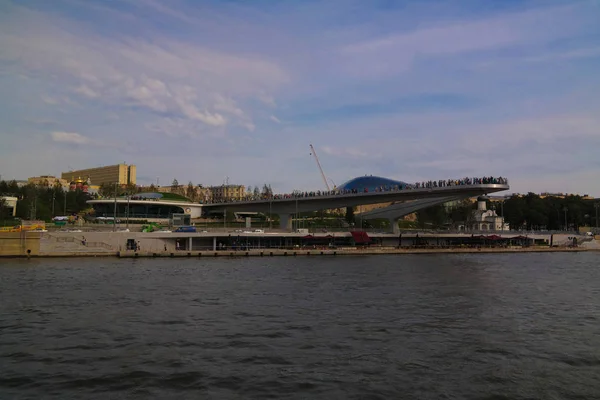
(370, 183)
(150, 210)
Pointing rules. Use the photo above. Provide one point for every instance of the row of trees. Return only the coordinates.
(533, 212)
(266, 191)
(42, 202)
(529, 212)
(191, 191)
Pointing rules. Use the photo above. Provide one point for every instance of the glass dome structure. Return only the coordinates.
(370, 183)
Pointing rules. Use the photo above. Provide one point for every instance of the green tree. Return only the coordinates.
(3, 210)
(349, 215)
(535, 212)
(515, 209)
(432, 217)
(461, 213)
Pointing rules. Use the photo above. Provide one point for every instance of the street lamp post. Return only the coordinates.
(566, 226)
(115, 210)
(596, 206)
(296, 214)
(127, 215)
(502, 212)
(53, 199)
(270, 212)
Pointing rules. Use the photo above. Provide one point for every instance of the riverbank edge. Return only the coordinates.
(303, 252)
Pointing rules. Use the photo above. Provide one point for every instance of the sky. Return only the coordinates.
(236, 91)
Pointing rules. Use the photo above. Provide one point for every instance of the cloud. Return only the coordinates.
(394, 53)
(69, 137)
(50, 100)
(86, 91)
(56, 100)
(193, 82)
(586, 52)
(412, 91)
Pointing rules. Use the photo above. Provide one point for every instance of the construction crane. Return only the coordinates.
(314, 153)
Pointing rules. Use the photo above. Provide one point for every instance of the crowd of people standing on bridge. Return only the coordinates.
(461, 182)
(377, 189)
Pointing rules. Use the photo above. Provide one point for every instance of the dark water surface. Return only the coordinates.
(521, 326)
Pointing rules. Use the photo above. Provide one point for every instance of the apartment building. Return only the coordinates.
(122, 174)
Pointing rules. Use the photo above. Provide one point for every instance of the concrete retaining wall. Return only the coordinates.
(19, 244)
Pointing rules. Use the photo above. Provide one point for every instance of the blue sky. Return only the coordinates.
(204, 90)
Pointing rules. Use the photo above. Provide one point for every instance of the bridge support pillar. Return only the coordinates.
(394, 224)
(285, 221)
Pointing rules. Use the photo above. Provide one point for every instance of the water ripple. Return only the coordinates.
(496, 327)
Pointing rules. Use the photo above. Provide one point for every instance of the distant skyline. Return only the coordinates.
(204, 90)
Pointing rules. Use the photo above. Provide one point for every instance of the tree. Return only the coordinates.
(515, 209)
(132, 188)
(256, 191)
(434, 216)
(45, 201)
(175, 184)
(107, 190)
(3, 211)
(461, 214)
(349, 215)
(267, 191)
(190, 192)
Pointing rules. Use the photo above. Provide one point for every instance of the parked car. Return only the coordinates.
(185, 229)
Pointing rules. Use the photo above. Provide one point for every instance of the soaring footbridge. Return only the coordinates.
(406, 199)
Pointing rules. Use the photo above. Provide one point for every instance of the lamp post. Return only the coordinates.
(127, 215)
(502, 212)
(53, 199)
(565, 209)
(270, 211)
(296, 214)
(596, 206)
(360, 211)
(115, 210)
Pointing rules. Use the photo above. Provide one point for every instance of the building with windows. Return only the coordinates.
(225, 193)
(145, 206)
(47, 180)
(122, 174)
(10, 204)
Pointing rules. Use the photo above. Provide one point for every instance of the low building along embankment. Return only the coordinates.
(174, 244)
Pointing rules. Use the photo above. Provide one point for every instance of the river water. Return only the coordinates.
(497, 326)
